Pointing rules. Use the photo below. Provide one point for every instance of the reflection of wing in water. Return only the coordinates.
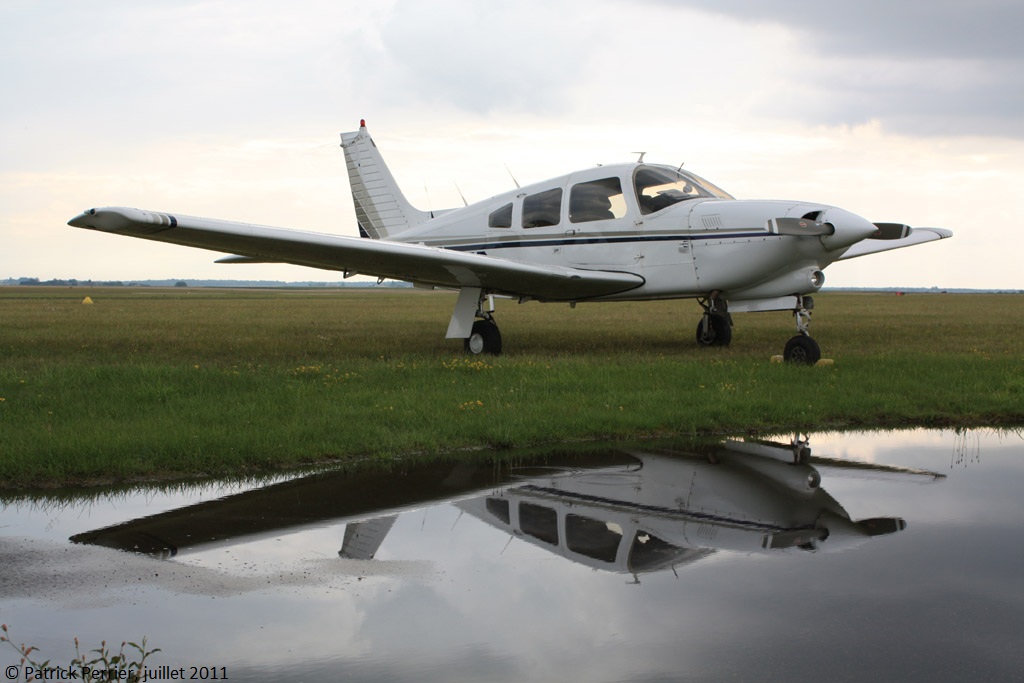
(319, 500)
(632, 512)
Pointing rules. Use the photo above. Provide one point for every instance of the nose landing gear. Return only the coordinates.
(802, 349)
(715, 327)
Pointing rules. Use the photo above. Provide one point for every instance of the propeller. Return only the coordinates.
(891, 231)
(801, 227)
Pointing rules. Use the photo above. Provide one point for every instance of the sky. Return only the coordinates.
(898, 110)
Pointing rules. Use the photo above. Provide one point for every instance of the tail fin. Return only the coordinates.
(381, 208)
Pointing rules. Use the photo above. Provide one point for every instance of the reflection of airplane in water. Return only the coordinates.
(669, 509)
(625, 511)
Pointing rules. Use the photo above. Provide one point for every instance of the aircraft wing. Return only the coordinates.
(916, 236)
(354, 255)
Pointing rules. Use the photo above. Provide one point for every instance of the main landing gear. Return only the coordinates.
(484, 337)
(715, 326)
(473, 322)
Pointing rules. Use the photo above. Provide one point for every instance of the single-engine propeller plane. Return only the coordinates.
(623, 232)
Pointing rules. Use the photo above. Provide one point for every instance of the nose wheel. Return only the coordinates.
(802, 350)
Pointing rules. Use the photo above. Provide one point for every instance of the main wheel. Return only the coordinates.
(483, 338)
(802, 349)
(718, 333)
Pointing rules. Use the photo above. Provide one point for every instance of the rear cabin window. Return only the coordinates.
(542, 209)
(597, 200)
(499, 508)
(539, 521)
(501, 218)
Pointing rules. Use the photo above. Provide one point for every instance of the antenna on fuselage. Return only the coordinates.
(681, 166)
(464, 202)
(512, 176)
(641, 159)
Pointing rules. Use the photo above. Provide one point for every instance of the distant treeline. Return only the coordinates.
(36, 282)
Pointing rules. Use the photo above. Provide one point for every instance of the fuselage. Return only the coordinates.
(683, 235)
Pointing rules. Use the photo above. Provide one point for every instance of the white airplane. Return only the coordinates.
(622, 232)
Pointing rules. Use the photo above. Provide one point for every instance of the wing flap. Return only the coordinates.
(396, 260)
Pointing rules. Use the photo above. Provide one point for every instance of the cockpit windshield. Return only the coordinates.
(661, 186)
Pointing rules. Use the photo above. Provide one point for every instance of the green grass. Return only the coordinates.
(158, 383)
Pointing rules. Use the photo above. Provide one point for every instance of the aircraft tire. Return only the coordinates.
(720, 333)
(802, 350)
(483, 338)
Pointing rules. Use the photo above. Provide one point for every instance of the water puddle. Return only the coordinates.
(864, 555)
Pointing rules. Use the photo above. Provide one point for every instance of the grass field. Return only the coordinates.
(178, 382)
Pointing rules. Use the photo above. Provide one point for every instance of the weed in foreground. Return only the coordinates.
(99, 664)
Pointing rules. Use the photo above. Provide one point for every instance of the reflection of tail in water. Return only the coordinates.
(363, 539)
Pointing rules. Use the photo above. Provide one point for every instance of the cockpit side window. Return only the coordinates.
(501, 218)
(597, 200)
(542, 209)
(658, 187)
(592, 537)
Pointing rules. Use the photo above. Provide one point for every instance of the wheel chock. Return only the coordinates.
(824, 362)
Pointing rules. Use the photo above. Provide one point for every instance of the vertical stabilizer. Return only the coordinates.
(363, 539)
(381, 208)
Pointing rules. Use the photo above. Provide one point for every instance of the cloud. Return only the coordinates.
(988, 29)
(922, 68)
(156, 70)
(481, 57)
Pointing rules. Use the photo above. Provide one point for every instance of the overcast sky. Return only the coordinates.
(898, 110)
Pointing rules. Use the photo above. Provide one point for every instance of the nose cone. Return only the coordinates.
(82, 219)
(850, 229)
